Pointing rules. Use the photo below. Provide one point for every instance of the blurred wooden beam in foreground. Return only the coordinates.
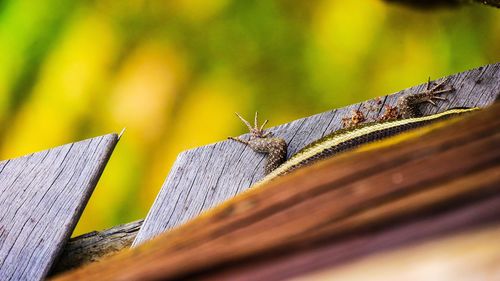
(470, 255)
(384, 196)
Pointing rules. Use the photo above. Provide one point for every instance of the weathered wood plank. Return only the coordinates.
(96, 245)
(42, 196)
(205, 176)
(443, 180)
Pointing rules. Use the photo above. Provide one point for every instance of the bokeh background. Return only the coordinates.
(174, 72)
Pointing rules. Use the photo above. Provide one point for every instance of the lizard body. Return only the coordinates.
(408, 116)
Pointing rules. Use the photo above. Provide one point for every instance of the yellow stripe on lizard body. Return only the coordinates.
(406, 113)
(333, 140)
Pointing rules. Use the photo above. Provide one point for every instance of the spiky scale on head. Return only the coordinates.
(262, 142)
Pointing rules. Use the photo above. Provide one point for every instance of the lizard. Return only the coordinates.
(405, 116)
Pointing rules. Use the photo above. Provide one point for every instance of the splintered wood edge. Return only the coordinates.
(206, 176)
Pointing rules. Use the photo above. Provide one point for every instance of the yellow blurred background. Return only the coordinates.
(174, 72)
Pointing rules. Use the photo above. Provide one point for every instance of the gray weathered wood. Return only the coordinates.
(205, 176)
(42, 196)
(96, 245)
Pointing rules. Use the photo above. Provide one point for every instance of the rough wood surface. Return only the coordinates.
(203, 177)
(95, 246)
(42, 196)
(344, 198)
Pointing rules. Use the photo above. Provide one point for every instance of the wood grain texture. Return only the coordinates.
(206, 176)
(96, 245)
(421, 227)
(42, 196)
(468, 256)
(445, 180)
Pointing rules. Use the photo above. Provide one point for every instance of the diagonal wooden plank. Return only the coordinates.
(205, 176)
(42, 196)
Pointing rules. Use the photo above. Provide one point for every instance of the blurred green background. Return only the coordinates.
(174, 73)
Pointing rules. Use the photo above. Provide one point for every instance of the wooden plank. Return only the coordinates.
(96, 245)
(42, 196)
(336, 254)
(203, 177)
(473, 255)
(342, 198)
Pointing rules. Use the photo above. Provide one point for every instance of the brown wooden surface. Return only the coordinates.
(421, 228)
(331, 202)
(468, 255)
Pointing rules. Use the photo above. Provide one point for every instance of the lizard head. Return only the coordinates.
(255, 131)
